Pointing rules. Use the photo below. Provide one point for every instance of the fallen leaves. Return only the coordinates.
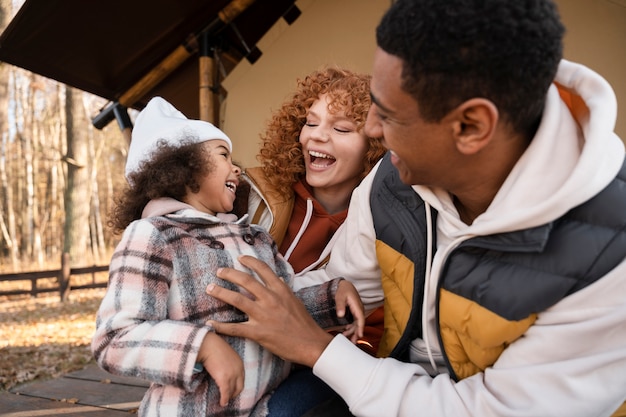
(42, 338)
(70, 400)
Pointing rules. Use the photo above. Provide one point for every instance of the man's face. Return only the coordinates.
(419, 149)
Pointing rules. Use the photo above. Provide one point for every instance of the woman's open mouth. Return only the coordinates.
(321, 160)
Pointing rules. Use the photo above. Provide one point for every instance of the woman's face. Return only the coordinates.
(333, 149)
(217, 189)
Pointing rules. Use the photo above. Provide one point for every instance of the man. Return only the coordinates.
(503, 265)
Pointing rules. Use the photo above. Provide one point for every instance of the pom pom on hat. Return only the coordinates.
(160, 121)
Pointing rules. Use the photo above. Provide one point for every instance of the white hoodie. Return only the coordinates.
(572, 361)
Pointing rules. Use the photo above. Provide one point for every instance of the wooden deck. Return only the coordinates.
(90, 392)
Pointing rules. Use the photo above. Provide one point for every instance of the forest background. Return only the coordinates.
(58, 178)
(58, 173)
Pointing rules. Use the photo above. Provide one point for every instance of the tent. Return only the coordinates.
(129, 51)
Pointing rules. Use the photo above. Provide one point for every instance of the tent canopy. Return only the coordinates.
(129, 51)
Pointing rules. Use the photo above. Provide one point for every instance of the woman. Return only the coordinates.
(314, 153)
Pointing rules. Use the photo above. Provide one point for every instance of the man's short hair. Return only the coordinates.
(506, 51)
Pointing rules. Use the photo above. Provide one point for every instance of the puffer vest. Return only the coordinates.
(491, 287)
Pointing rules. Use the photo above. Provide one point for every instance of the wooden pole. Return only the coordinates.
(205, 82)
(207, 108)
(234, 9)
(158, 73)
(180, 55)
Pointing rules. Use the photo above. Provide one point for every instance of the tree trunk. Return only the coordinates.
(8, 244)
(26, 139)
(98, 246)
(58, 180)
(77, 198)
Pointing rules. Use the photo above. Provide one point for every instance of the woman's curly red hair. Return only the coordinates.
(281, 153)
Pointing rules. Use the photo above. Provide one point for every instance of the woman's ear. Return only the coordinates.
(475, 122)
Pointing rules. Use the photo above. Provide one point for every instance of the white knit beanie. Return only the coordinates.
(159, 120)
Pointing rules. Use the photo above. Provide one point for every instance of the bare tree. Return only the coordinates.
(96, 228)
(51, 145)
(58, 174)
(28, 190)
(77, 190)
(8, 246)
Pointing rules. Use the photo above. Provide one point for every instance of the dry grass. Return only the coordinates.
(43, 338)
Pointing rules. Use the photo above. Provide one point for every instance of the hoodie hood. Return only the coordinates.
(166, 205)
(573, 156)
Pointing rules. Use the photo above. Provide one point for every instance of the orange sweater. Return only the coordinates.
(319, 230)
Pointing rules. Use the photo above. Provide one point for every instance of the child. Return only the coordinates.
(151, 323)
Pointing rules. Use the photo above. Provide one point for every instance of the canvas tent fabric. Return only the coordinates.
(109, 48)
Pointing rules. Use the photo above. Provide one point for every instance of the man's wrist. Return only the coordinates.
(316, 350)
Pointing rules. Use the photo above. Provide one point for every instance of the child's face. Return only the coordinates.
(217, 190)
(333, 149)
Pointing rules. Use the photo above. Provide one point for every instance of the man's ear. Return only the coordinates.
(475, 122)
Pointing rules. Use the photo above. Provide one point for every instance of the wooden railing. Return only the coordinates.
(63, 285)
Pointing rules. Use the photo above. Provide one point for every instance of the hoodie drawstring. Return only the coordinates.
(427, 276)
(305, 223)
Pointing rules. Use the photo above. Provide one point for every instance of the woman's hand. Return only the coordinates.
(277, 320)
(347, 296)
(223, 364)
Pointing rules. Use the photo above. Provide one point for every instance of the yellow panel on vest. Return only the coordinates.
(473, 336)
(620, 412)
(397, 282)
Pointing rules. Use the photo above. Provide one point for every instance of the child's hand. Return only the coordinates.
(224, 365)
(347, 296)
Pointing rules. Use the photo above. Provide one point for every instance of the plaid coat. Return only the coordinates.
(151, 321)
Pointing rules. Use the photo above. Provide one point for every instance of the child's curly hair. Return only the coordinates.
(281, 153)
(171, 171)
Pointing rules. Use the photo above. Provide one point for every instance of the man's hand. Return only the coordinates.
(277, 320)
